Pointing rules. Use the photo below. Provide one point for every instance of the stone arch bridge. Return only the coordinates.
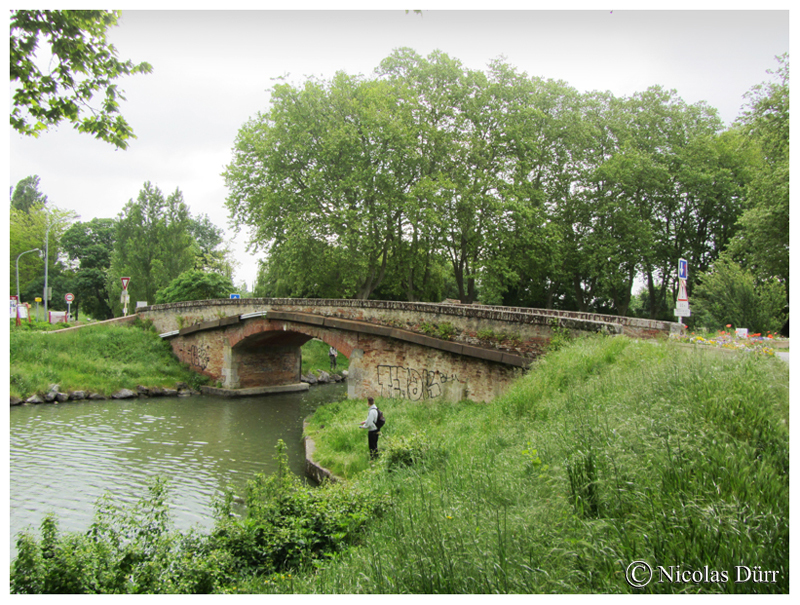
(396, 349)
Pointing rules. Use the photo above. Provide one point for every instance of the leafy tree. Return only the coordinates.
(195, 285)
(89, 246)
(27, 230)
(728, 294)
(546, 131)
(763, 242)
(154, 245)
(533, 193)
(659, 195)
(84, 63)
(26, 194)
(437, 216)
(319, 179)
(209, 256)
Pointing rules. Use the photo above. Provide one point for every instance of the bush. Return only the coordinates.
(195, 285)
(404, 451)
(729, 294)
(560, 337)
(289, 524)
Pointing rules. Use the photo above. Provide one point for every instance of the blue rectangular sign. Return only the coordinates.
(683, 269)
(236, 295)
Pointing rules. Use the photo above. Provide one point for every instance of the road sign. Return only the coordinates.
(682, 312)
(683, 268)
(125, 282)
(236, 295)
(682, 293)
(69, 298)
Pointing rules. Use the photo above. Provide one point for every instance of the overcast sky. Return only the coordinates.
(212, 70)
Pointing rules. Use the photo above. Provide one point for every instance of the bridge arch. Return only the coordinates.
(264, 352)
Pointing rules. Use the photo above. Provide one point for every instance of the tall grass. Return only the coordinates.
(101, 359)
(608, 452)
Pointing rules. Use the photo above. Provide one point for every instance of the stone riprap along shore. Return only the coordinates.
(55, 395)
(323, 377)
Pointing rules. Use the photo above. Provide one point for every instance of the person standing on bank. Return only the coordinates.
(332, 353)
(369, 424)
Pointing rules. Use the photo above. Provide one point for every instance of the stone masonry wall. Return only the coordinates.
(245, 355)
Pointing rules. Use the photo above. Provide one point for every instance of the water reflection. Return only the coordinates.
(64, 457)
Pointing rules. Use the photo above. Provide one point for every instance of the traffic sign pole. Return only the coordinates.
(69, 298)
(125, 296)
(682, 304)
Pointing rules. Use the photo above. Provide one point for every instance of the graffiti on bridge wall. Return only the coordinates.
(198, 356)
(408, 383)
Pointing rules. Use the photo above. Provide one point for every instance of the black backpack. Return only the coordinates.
(380, 421)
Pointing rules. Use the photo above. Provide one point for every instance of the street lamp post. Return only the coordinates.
(46, 259)
(26, 251)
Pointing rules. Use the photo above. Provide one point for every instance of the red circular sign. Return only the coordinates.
(69, 297)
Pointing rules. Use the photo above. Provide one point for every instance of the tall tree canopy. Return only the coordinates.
(763, 243)
(195, 285)
(501, 187)
(153, 246)
(83, 64)
(321, 181)
(212, 255)
(26, 194)
(88, 246)
(34, 223)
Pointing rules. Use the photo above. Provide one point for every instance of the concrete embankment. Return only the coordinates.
(317, 472)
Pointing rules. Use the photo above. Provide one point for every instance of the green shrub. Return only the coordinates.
(289, 524)
(486, 334)
(445, 330)
(728, 294)
(559, 336)
(195, 285)
(408, 450)
(427, 328)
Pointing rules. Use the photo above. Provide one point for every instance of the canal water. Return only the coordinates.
(65, 456)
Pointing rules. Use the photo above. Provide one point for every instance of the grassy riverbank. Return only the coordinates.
(99, 359)
(315, 358)
(608, 451)
(106, 358)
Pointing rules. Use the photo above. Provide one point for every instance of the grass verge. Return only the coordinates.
(100, 359)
